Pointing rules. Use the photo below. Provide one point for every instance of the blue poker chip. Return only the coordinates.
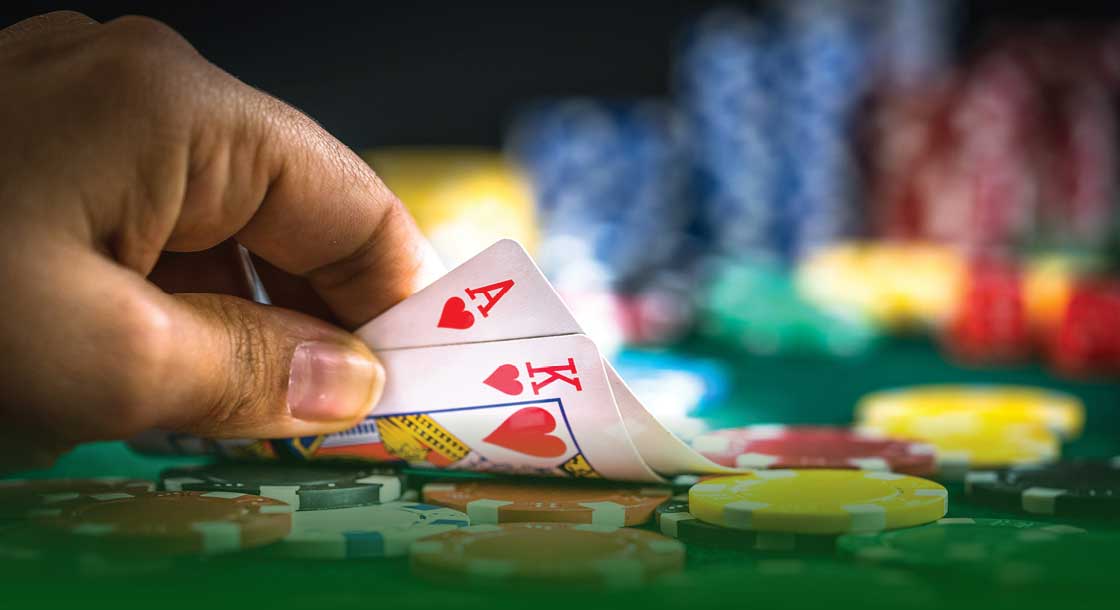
(699, 382)
(608, 177)
(365, 532)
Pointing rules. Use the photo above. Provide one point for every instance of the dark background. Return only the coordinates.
(415, 73)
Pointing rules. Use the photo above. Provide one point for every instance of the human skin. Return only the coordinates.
(130, 169)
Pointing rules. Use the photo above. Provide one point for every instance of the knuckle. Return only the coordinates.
(145, 33)
(251, 356)
(45, 26)
(66, 16)
(60, 18)
(143, 59)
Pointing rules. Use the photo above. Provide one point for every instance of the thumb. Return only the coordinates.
(249, 370)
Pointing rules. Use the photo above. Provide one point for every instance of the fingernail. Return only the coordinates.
(330, 382)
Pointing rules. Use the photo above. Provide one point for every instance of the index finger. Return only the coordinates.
(311, 207)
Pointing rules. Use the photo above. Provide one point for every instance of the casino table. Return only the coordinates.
(764, 390)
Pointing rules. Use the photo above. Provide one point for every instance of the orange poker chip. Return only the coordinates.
(554, 553)
(170, 522)
(490, 502)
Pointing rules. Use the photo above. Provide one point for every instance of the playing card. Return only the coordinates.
(539, 406)
(497, 295)
(505, 284)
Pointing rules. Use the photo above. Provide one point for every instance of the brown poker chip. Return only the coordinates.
(491, 502)
(170, 522)
(18, 496)
(566, 554)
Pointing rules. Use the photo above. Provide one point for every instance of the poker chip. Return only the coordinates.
(1086, 340)
(956, 543)
(681, 483)
(964, 444)
(962, 405)
(462, 199)
(362, 532)
(18, 496)
(24, 545)
(1082, 488)
(776, 446)
(303, 486)
(170, 522)
(674, 520)
(1072, 567)
(991, 322)
(798, 583)
(818, 501)
(489, 502)
(557, 553)
(754, 306)
(896, 284)
(165, 442)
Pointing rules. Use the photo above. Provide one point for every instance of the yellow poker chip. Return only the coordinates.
(463, 199)
(963, 443)
(896, 284)
(975, 406)
(818, 501)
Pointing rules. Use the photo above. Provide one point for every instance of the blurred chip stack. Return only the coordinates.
(756, 307)
(1016, 149)
(463, 199)
(1087, 339)
(609, 179)
(826, 70)
(770, 102)
(990, 323)
(725, 85)
(899, 286)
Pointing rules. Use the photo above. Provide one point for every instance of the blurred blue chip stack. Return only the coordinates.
(914, 42)
(724, 85)
(770, 102)
(826, 71)
(610, 180)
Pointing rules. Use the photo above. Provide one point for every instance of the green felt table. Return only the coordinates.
(764, 390)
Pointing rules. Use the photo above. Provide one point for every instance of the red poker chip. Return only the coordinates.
(1087, 340)
(767, 447)
(990, 324)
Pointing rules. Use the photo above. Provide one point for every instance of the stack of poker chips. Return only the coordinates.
(609, 179)
(771, 104)
(1016, 148)
(986, 308)
(725, 85)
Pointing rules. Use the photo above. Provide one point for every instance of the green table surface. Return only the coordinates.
(764, 390)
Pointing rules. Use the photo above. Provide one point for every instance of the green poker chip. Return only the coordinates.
(800, 582)
(960, 543)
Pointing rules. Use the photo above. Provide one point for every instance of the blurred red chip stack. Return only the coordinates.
(1017, 148)
(1087, 340)
(991, 324)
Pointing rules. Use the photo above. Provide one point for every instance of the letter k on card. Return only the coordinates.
(505, 378)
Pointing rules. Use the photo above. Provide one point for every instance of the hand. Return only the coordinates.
(120, 145)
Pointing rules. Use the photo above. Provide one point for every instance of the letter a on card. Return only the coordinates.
(498, 295)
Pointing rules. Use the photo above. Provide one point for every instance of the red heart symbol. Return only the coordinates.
(527, 431)
(455, 315)
(504, 379)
